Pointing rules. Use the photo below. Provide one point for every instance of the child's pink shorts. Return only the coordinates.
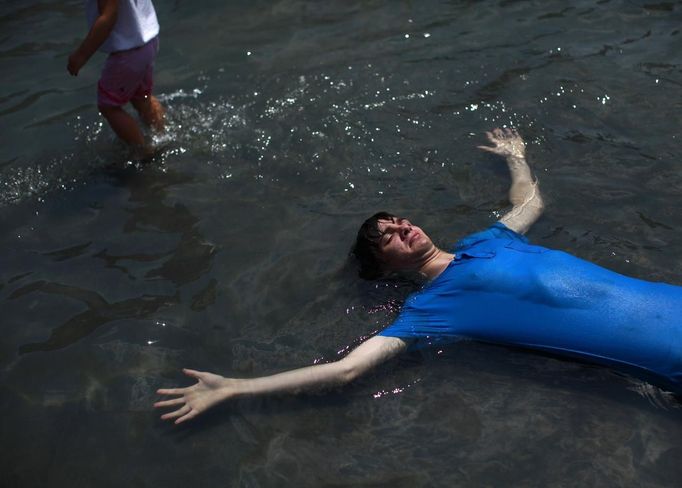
(128, 75)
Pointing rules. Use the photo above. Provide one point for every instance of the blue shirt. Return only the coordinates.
(501, 289)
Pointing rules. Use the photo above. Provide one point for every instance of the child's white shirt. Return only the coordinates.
(135, 26)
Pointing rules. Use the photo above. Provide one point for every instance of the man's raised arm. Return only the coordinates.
(524, 193)
(211, 389)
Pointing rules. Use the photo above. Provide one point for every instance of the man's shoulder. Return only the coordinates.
(496, 231)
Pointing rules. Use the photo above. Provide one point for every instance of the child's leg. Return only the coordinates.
(151, 111)
(127, 76)
(123, 124)
(147, 105)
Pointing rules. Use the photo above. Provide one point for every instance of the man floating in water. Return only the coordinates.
(127, 30)
(493, 286)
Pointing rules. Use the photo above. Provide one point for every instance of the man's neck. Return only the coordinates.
(436, 263)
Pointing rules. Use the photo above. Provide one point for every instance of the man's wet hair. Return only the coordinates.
(366, 248)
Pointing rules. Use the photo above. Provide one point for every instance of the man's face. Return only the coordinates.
(402, 246)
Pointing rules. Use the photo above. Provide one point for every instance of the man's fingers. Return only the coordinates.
(498, 133)
(172, 391)
(192, 373)
(181, 391)
(189, 416)
(494, 150)
(170, 403)
(177, 413)
(509, 133)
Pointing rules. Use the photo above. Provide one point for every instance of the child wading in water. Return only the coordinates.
(127, 30)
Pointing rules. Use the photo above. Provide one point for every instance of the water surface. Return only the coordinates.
(290, 122)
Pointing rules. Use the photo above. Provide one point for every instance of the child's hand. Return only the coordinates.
(76, 62)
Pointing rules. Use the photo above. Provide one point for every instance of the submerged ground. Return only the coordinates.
(289, 123)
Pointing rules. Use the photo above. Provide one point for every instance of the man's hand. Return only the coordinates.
(209, 390)
(524, 193)
(76, 62)
(507, 143)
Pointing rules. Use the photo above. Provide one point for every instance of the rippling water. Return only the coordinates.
(289, 122)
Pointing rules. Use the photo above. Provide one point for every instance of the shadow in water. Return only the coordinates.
(188, 260)
(99, 312)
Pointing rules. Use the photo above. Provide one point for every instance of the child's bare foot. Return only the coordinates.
(148, 152)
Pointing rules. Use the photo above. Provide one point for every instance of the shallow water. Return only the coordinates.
(289, 122)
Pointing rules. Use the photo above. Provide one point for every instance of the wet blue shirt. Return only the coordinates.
(503, 290)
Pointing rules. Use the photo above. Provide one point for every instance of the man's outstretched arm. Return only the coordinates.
(211, 389)
(524, 193)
